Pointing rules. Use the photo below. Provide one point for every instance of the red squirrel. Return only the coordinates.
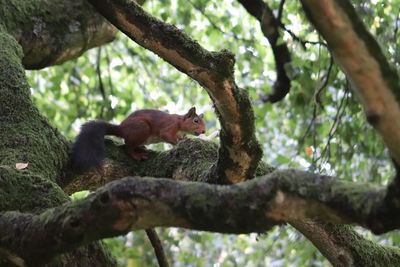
(142, 127)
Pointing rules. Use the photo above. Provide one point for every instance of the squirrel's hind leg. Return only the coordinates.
(135, 134)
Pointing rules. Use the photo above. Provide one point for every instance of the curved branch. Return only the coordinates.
(360, 57)
(286, 195)
(142, 203)
(52, 32)
(331, 200)
(270, 28)
(239, 151)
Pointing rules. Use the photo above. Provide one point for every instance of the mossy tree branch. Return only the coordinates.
(27, 137)
(239, 150)
(339, 243)
(189, 160)
(52, 32)
(342, 246)
(142, 203)
(299, 195)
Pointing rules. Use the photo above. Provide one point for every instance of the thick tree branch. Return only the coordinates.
(270, 28)
(342, 246)
(142, 203)
(52, 32)
(26, 135)
(377, 206)
(239, 151)
(333, 200)
(361, 58)
(190, 160)
(314, 231)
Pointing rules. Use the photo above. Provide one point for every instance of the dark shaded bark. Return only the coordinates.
(342, 246)
(270, 28)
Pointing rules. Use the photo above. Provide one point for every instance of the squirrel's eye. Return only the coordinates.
(196, 120)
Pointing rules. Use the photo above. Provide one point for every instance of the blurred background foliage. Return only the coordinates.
(318, 127)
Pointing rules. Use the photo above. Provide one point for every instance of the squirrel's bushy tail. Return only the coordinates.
(88, 150)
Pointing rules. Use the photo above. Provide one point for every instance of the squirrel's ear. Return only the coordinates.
(201, 115)
(191, 113)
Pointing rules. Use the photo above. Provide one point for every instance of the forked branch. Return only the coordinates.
(239, 151)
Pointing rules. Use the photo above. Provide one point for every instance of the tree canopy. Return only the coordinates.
(301, 158)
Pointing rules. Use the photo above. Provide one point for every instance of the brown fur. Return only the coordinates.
(149, 126)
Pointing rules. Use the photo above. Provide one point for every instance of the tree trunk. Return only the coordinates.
(48, 32)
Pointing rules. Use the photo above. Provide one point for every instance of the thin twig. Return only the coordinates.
(317, 96)
(335, 124)
(280, 11)
(110, 83)
(100, 79)
(98, 72)
(158, 248)
(299, 40)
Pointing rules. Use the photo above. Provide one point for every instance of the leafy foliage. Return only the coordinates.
(320, 126)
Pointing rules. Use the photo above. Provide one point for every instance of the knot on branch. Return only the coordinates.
(223, 63)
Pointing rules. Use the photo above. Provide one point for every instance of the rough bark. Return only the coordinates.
(189, 160)
(342, 246)
(27, 137)
(297, 195)
(253, 206)
(239, 151)
(52, 32)
(136, 203)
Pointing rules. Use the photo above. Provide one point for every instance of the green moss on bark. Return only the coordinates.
(26, 136)
(191, 159)
(24, 191)
(364, 252)
(52, 32)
